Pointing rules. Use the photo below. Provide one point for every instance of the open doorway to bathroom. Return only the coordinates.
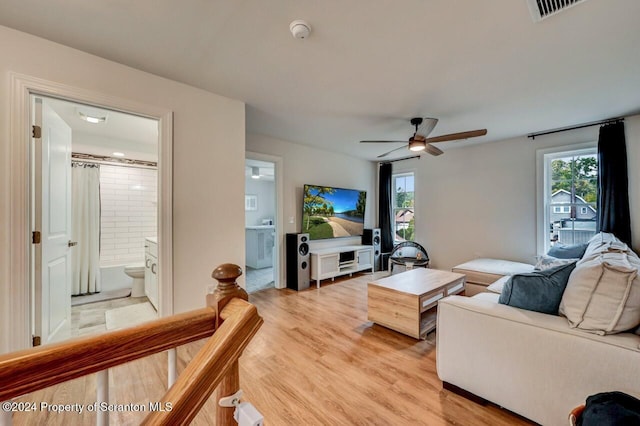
(260, 225)
(94, 176)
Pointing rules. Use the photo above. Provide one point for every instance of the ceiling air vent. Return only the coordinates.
(541, 9)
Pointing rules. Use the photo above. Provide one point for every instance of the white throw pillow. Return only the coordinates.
(604, 243)
(603, 295)
(498, 285)
(547, 262)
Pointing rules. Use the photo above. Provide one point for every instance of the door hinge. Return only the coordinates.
(36, 131)
(36, 340)
(35, 237)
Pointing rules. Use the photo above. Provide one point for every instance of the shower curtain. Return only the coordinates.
(85, 228)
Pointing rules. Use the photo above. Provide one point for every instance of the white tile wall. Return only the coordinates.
(128, 197)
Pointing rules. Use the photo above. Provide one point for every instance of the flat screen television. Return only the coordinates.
(329, 212)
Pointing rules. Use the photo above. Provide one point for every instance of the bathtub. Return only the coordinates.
(112, 277)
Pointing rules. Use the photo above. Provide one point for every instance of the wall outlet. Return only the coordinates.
(292, 219)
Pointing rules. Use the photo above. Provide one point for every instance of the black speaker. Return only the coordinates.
(298, 262)
(371, 237)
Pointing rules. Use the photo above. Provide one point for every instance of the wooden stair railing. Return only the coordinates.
(229, 319)
(217, 359)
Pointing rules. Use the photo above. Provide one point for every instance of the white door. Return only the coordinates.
(52, 218)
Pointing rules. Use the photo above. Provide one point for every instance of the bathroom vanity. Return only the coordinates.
(151, 270)
(259, 242)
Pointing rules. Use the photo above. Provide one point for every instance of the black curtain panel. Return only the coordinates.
(613, 184)
(385, 208)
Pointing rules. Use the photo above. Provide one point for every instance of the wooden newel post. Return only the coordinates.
(227, 289)
(226, 275)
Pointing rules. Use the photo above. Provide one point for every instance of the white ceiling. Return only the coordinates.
(134, 136)
(266, 170)
(369, 66)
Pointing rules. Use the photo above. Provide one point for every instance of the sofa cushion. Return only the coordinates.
(539, 291)
(494, 266)
(562, 251)
(486, 304)
(603, 294)
(548, 262)
(498, 285)
(487, 297)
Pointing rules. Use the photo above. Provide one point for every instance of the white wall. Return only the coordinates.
(303, 164)
(265, 190)
(480, 201)
(208, 158)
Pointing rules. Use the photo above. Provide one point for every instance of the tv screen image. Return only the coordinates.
(329, 212)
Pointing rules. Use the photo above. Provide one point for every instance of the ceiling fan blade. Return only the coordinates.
(433, 150)
(393, 150)
(383, 141)
(427, 126)
(457, 136)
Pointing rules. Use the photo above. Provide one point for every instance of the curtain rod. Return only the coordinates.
(78, 163)
(399, 159)
(112, 161)
(579, 126)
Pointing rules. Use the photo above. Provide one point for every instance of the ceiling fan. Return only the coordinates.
(420, 142)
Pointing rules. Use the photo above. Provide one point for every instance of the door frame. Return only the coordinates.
(22, 87)
(278, 275)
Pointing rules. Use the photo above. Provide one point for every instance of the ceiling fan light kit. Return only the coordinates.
(417, 145)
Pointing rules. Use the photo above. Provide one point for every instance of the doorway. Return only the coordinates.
(260, 229)
(263, 222)
(20, 232)
(94, 186)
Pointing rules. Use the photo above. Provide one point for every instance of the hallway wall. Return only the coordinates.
(201, 228)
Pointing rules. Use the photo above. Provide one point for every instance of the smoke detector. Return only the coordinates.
(300, 29)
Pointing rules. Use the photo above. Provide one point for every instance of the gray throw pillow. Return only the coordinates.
(539, 291)
(562, 251)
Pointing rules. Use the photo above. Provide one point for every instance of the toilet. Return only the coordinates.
(136, 271)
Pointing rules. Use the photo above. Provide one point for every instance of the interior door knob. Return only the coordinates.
(72, 243)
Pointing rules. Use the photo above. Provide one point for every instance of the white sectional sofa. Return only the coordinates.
(531, 363)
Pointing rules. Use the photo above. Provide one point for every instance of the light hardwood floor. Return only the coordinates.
(315, 361)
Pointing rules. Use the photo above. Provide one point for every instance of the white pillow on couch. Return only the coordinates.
(604, 242)
(498, 285)
(603, 294)
(547, 262)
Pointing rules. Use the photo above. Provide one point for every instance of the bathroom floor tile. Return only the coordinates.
(89, 318)
(258, 279)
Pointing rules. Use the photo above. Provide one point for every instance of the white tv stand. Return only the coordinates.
(335, 261)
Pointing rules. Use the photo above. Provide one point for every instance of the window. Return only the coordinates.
(403, 205)
(569, 197)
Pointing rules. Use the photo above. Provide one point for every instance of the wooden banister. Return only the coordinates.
(211, 364)
(37, 368)
(234, 321)
(228, 288)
